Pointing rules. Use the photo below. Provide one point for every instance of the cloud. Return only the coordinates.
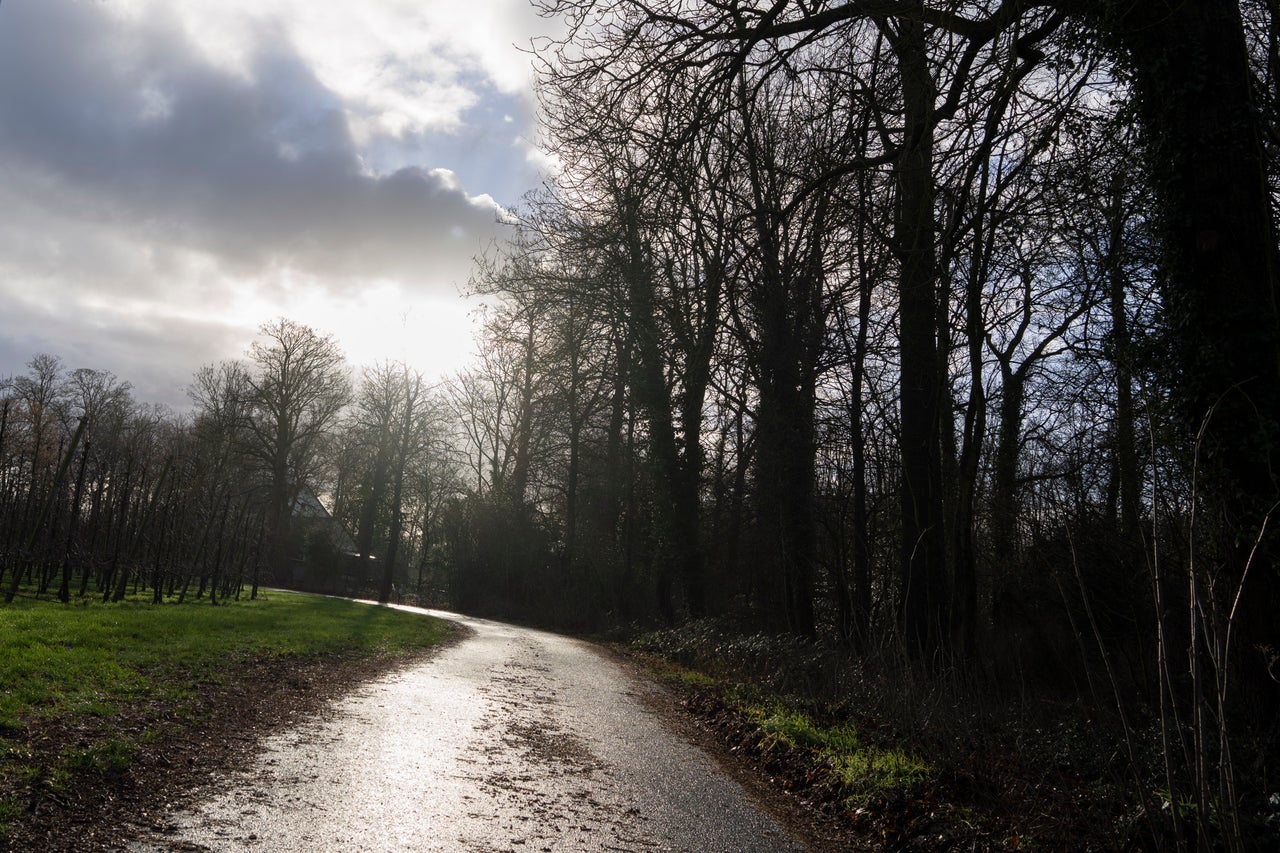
(174, 172)
(158, 354)
(137, 132)
(397, 64)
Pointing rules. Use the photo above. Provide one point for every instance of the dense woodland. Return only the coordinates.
(939, 334)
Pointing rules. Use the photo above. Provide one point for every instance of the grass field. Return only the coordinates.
(86, 657)
(78, 666)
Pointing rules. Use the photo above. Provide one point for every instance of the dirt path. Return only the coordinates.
(512, 739)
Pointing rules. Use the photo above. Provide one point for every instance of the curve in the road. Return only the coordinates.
(511, 740)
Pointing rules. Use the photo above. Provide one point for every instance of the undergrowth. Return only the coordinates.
(909, 755)
(865, 772)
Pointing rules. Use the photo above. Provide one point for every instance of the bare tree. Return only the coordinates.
(295, 389)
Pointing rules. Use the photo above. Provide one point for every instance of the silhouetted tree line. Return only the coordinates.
(101, 495)
(950, 328)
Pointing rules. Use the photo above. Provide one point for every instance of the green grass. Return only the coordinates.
(88, 658)
(677, 675)
(10, 811)
(867, 771)
(113, 678)
(112, 756)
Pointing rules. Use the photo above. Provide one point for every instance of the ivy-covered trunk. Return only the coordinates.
(1204, 132)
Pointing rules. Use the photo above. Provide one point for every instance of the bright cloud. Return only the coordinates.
(175, 172)
(399, 66)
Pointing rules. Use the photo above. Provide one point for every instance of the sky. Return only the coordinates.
(174, 173)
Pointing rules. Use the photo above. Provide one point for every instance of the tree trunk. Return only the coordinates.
(1004, 479)
(1204, 132)
(924, 570)
(1128, 484)
(784, 496)
(424, 554)
(677, 504)
(73, 525)
(122, 531)
(95, 527)
(518, 482)
(964, 610)
(373, 496)
(280, 514)
(218, 549)
(397, 491)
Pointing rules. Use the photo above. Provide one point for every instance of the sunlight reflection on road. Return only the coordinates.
(513, 739)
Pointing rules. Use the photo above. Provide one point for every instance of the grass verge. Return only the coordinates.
(859, 771)
(88, 688)
(888, 762)
(863, 771)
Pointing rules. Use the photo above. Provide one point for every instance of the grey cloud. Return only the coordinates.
(128, 348)
(128, 128)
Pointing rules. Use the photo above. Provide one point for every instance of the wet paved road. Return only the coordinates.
(511, 740)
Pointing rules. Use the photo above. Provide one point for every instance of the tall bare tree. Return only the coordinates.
(295, 388)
